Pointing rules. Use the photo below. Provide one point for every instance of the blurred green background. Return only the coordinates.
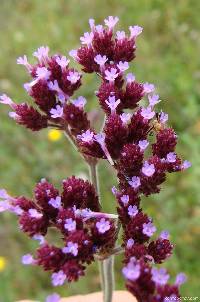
(167, 55)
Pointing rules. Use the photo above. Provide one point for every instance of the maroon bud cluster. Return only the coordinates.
(135, 139)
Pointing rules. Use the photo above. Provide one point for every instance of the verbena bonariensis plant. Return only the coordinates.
(128, 131)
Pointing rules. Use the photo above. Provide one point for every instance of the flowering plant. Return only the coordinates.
(135, 140)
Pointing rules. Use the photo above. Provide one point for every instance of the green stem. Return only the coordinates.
(108, 265)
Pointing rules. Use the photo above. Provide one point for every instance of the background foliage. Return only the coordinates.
(167, 55)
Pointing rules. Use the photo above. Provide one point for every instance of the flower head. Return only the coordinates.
(163, 117)
(132, 211)
(147, 113)
(55, 202)
(125, 199)
(57, 112)
(123, 66)
(73, 77)
(130, 78)
(103, 226)
(27, 259)
(135, 31)
(87, 136)
(132, 270)
(71, 248)
(70, 225)
(135, 182)
(125, 118)
(148, 169)
(87, 38)
(43, 73)
(111, 22)
(112, 103)
(171, 157)
(186, 164)
(80, 102)
(54, 135)
(63, 62)
(143, 144)
(58, 278)
(111, 74)
(120, 35)
(181, 278)
(34, 213)
(148, 88)
(164, 235)
(153, 99)
(53, 298)
(149, 229)
(159, 276)
(42, 54)
(100, 60)
(130, 243)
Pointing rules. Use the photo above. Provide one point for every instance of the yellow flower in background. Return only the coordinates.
(54, 135)
(2, 263)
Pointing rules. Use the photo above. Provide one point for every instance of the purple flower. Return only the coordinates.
(148, 88)
(159, 276)
(4, 206)
(135, 182)
(70, 225)
(24, 61)
(125, 118)
(132, 270)
(171, 157)
(163, 117)
(114, 191)
(92, 23)
(16, 210)
(153, 99)
(132, 211)
(123, 66)
(79, 102)
(111, 22)
(111, 74)
(181, 278)
(4, 194)
(112, 103)
(4, 99)
(99, 28)
(53, 298)
(100, 60)
(130, 78)
(34, 213)
(125, 199)
(164, 235)
(27, 259)
(147, 113)
(55, 202)
(57, 112)
(42, 54)
(149, 229)
(63, 62)
(100, 138)
(71, 248)
(120, 35)
(58, 278)
(148, 169)
(135, 31)
(171, 298)
(73, 77)
(86, 137)
(87, 38)
(73, 54)
(130, 243)
(43, 73)
(186, 164)
(143, 144)
(103, 226)
(39, 238)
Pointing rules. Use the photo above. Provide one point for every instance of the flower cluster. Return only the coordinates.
(135, 139)
(85, 231)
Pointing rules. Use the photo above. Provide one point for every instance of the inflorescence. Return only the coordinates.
(136, 140)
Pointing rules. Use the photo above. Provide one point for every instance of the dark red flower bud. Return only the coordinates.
(105, 90)
(160, 249)
(116, 135)
(51, 258)
(64, 214)
(86, 59)
(133, 94)
(33, 226)
(138, 128)
(131, 160)
(134, 229)
(24, 203)
(79, 193)
(103, 44)
(76, 118)
(44, 191)
(124, 50)
(30, 117)
(166, 140)
(166, 291)
(138, 251)
(43, 96)
(73, 270)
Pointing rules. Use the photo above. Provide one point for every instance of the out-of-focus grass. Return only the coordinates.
(168, 55)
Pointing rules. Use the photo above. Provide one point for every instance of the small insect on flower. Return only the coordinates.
(54, 135)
